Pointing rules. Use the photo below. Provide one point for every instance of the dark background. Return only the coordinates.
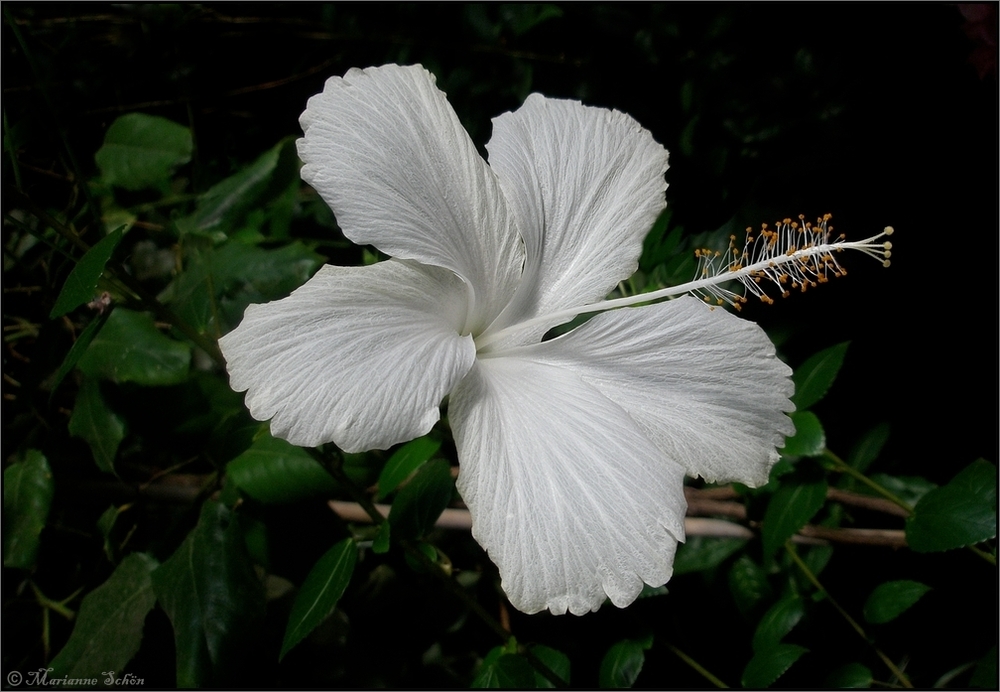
(883, 114)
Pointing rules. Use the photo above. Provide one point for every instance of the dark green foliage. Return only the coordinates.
(623, 663)
(213, 598)
(404, 461)
(319, 594)
(108, 630)
(768, 665)
(130, 349)
(142, 151)
(701, 553)
(220, 282)
(94, 422)
(777, 622)
(274, 471)
(789, 509)
(82, 280)
(893, 598)
(419, 503)
(748, 583)
(813, 378)
(961, 513)
(556, 661)
(27, 498)
(851, 675)
(809, 439)
(502, 670)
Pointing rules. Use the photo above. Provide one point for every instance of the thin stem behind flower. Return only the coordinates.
(811, 577)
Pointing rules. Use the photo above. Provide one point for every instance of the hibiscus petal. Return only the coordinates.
(358, 356)
(585, 185)
(388, 154)
(703, 384)
(567, 495)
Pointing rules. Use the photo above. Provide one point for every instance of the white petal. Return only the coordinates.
(703, 384)
(569, 498)
(586, 185)
(359, 356)
(388, 154)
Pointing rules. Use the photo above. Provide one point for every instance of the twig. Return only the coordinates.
(713, 501)
(734, 510)
(888, 537)
(352, 511)
(700, 669)
(876, 504)
(843, 467)
(461, 519)
(811, 577)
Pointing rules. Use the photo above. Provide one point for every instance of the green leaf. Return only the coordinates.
(428, 550)
(221, 208)
(817, 557)
(622, 664)
(320, 593)
(659, 245)
(985, 674)
(869, 447)
(99, 426)
(212, 596)
(218, 283)
(420, 502)
(700, 553)
(274, 471)
(748, 583)
(131, 349)
(790, 508)
(778, 621)
(382, 541)
(141, 151)
(106, 524)
(522, 18)
(82, 280)
(813, 378)
(484, 676)
(963, 512)
(889, 600)
(506, 671)
(809, 439)
(405, 461)
(27, 498)
(78, 348)
(770, 664)
(558, 663)
(108, 628)
(850, 676)
(910, 489)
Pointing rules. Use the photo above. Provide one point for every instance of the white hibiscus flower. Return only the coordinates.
(572, 451)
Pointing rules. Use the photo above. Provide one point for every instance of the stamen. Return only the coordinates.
(795, 255)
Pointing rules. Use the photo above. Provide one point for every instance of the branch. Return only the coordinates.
(461, 519)
(714, 501)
